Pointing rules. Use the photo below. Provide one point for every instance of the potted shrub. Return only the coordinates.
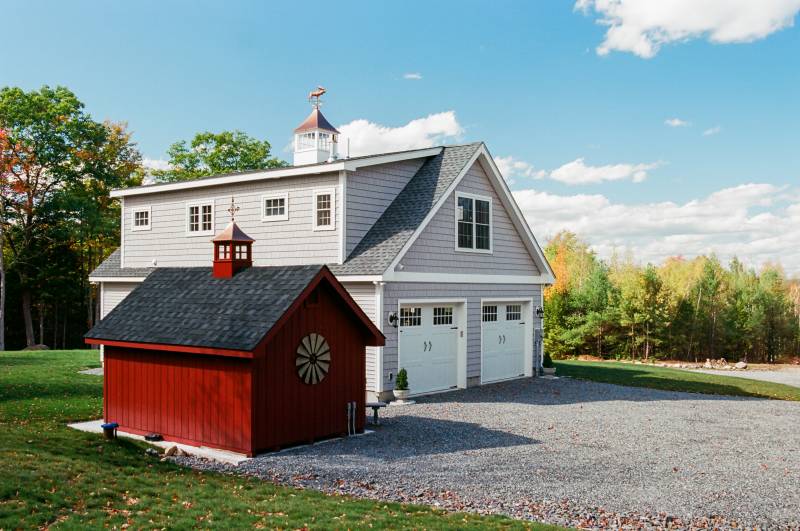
(401, 385)
(548, 366)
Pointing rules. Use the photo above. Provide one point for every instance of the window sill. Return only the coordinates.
(140, 229)
(474, 251)
(274, 218)
(204, 233)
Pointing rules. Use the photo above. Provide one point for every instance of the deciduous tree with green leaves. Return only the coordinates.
(215, 153)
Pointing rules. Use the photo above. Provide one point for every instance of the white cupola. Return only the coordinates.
(315, 140)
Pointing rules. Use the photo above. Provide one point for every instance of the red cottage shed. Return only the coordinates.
(265, 358)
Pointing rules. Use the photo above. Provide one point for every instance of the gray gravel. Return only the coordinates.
(785, 376)
(571, 453)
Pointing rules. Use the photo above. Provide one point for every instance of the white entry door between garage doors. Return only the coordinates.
(428, 346)
(503, 341)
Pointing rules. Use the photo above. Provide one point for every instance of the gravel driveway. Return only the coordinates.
(786, 376)
(572, 453)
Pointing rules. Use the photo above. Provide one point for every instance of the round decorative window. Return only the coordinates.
(313, 359)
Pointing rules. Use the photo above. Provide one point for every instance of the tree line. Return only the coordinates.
(57, 222)
(684, 309)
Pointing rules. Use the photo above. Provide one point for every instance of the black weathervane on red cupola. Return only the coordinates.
(232, 248)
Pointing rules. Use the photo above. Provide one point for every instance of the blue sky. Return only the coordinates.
(545, 83)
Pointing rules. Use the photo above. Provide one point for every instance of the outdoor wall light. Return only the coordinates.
(392, 318)
(539, 312)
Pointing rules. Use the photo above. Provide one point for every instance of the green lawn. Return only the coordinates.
(673, 379)
(53, 475)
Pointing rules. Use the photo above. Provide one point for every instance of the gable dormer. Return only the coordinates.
(315, 140)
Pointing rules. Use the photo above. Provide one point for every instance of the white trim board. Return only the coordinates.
(465, 278)
(117, 279)
(311, 169)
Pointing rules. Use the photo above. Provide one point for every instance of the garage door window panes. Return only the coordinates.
(410, 316)
(489, 314)
(443, 315)
(513, 312)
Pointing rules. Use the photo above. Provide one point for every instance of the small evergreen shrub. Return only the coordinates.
(547, 362)
(401, 383)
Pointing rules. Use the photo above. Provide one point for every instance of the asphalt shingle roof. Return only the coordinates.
(375, 252)
(187, 306)
(111, 268)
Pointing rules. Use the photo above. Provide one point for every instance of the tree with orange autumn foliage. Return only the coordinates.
(49, 150)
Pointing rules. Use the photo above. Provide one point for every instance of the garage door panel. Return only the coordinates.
(429, 347)
(503, 341)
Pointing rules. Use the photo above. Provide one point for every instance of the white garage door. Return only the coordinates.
(503, 341)
(428, 343)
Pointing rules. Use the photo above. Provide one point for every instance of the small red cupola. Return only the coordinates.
(232, 249)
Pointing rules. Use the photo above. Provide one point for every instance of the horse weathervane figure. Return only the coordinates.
(233, 209)
(315, 95)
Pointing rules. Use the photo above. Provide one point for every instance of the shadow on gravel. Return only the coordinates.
(407, 436)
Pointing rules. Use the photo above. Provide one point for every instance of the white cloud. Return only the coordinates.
(677, 122)
(412, 75)
(511, 168)
(577, 172)
(368, 137)
(712, 131)
(641, 27)
(155, 164)
(758, 223)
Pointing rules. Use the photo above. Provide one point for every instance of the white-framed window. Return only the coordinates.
(275, 207)
(513, 312)
(141, 218)
(489, 314)
(224, 251)
(473, 223)
(443, 315)
(305, 141)
(324, 203)
(411, 316)
(200, 218)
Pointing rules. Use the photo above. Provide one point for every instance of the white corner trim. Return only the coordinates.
(122, 233)
(343, 214)
(298, 171)
(201, 203)
(379, 323)
(135, 211)
(433, 211)
(517, 218)
(275, 195)
(315, 193)
(465, 278)
(474, 198)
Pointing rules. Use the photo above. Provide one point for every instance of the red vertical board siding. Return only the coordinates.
(184, 397)
(288, 411)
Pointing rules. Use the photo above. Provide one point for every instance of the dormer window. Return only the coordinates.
(473, 223)
(200, 218)
(275, 207)
(141, 218)
(324, 209)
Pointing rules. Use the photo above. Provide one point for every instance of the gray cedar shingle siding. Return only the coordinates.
(288, 242)
(364, 295)
(375, 252)
(370, 190)
(434, 251)
(187, 306)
